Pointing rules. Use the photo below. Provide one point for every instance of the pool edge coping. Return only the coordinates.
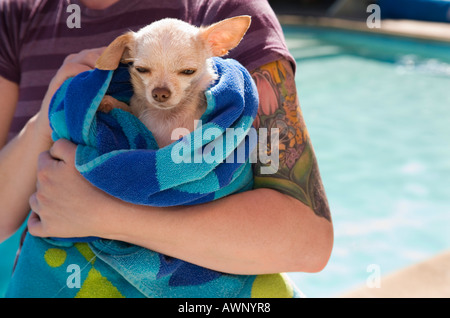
(423, 30)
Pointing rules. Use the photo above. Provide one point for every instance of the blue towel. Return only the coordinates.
(119, 155)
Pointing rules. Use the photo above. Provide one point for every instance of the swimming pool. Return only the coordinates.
(378, 112)
(377, 109)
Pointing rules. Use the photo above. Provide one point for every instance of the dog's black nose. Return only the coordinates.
(161, 94)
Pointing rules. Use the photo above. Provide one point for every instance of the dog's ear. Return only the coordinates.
(117, 51)
(226, 34)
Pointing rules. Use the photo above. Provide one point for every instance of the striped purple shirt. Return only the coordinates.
(35, 37)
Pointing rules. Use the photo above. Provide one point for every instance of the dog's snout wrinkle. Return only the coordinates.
(161, 94)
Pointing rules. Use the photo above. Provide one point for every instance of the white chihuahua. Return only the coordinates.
(170, 70)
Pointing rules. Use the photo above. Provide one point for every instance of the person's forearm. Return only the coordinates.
(18, 159)
(254, 232)
(18, 165)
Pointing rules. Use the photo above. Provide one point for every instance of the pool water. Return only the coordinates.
(378, 112)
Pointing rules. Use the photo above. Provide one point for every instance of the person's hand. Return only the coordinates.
(73, 65)
(65, 204)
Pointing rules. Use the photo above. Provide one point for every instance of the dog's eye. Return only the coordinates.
(188, 72)
(142, 69)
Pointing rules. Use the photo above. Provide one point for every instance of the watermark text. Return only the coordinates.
(374, 19)
(74, 19)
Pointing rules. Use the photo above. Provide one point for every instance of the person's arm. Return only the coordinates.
(8, 220)
(254, 232)
(18, 158)
(297, 174)
(10, 95)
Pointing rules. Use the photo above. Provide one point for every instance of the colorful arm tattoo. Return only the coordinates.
(297, 174)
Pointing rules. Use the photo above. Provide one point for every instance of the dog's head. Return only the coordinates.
(170, 59)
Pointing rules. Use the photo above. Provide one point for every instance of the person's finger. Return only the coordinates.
(72, 69)
(64, 150)
(34, 225)
(44, 162)
(93, 55)
(86, 57)
(33, 203)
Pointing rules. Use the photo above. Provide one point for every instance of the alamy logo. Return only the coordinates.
(74, 279)
(265, 146)
(374, 278)
(374, 19)
(74, 19)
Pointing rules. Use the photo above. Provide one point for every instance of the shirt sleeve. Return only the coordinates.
(264, 41)
(10, 40)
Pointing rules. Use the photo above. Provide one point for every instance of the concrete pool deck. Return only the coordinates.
(430, 278)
